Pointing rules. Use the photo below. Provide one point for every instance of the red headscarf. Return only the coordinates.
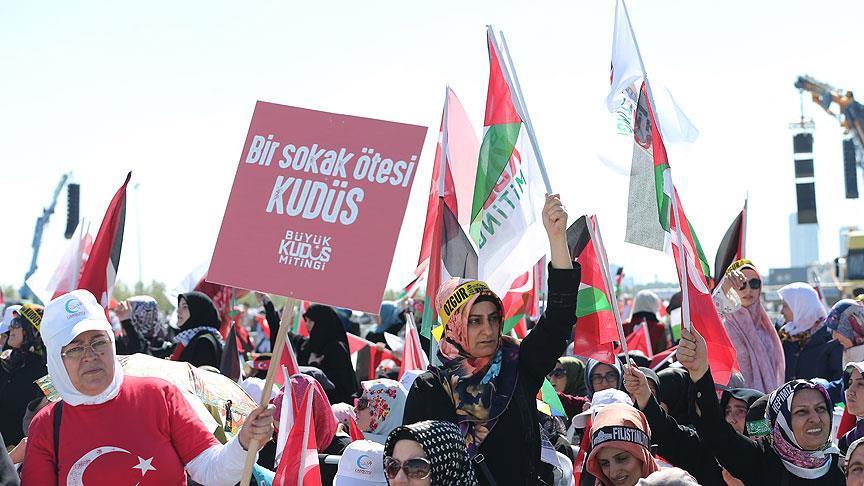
(622, 427)
(322, 415)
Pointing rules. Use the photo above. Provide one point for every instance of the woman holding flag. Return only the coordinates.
(487, 383)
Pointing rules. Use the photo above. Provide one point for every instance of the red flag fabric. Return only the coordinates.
(100, 271)
(354, 430)
(413, 357)
(289, 361)
(847, 423)
(639, 340)
(659, 357)
(460, 159)
(299, 462)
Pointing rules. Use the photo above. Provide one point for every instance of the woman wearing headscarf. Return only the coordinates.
(488, 383)
(846, 323)
(568, 379)
(430, 453)
(676, 384)
(198, 341)
(855, 464)
(602, 376)
(327, 349)
(139, 317)
(20, 366)
(111, 428)
(391, 320)
(799, 449)
(646, 306)
(807, 344)
(760, 353)
(853, 384)
(323, 419)
(620, 446)
(380, 408)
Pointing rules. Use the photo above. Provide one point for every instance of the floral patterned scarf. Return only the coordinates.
(481, 388)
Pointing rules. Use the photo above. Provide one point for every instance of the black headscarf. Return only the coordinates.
(328, 328)
(675, 384)
(444, 446)
(202, 311)
(29, 318)
(651, 375)
(746, 395)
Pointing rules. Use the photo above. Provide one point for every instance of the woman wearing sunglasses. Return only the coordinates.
(760, 354)
(811, 352)
(488, 383)
(20, 367)
(429, 453)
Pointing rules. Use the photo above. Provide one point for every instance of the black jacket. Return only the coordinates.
(821, 357)
(512, 449)
(752, 462)
(133, 342)
(17, 389)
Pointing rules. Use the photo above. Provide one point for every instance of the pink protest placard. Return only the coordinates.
(316, 206)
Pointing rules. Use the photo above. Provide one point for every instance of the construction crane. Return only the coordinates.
(837, 103)
(41, 221)
(848, 269)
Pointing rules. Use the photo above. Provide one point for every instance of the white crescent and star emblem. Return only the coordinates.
(76, 472)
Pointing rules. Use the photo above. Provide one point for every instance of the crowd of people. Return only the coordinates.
(476, 416)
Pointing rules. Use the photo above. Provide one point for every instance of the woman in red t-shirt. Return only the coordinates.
(111, 428)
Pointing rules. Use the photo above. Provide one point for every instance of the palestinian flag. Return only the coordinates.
(508, 189)
(548, 401)
(230, 364)
(447, 251)
(732, 246)
(596, 332)
(100, 271)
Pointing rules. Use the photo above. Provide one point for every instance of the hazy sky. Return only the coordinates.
(166, 89)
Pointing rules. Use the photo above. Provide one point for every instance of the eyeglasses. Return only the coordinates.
(415, 468)
(361, 404)
(610, 377)
(99, 347)
(557, 373)
(754, 284)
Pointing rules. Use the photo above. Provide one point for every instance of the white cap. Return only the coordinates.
(8, 315)
(601, 399)
(71, 314)
(362, 464)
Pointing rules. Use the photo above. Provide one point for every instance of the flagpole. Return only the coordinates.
(682, 253)
(521, 106)
(442, 167)
(744, 227)
(604, 267)
(252, 451)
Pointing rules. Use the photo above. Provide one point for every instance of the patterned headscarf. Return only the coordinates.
(144, 314)
(386, 405)
(481, 388)
(847, 318)
(444, 447)
(801, 463)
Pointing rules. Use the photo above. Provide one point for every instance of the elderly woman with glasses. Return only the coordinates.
(110, 428)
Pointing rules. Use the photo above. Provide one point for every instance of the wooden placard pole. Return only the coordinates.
(288, 313)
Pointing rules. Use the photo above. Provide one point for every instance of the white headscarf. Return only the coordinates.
(805, 305)
(59, 329)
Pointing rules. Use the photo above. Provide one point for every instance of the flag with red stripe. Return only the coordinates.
(299, 461)
(100, 271)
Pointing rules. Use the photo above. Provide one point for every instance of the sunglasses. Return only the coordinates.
(415, 468)
(754, 284)
(557, 373)
(361, 404)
